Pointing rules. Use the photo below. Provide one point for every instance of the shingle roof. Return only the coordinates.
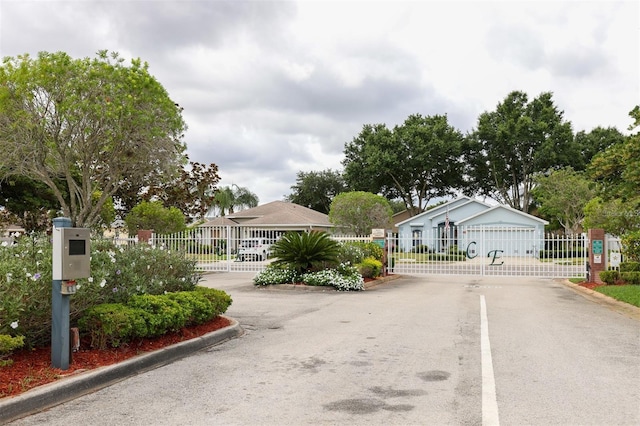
(276, 213)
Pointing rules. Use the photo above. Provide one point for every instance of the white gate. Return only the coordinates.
(229, 248)
(488, 250)
(223, 248)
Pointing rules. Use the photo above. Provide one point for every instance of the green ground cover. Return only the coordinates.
(625, 293)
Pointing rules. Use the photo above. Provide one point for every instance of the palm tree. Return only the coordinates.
(227, 199)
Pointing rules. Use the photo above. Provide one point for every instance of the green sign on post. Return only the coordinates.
(596, 246)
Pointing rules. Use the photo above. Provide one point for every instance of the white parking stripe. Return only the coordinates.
(489, 401)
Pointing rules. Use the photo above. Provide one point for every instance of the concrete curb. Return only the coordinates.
(602, 299)
(76, 385)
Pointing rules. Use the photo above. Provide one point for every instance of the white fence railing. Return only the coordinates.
(463, 251)
(488, 250)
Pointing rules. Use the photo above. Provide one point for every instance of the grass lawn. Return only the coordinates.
(625, 293)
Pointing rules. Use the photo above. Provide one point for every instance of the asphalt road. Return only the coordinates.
(434, 350)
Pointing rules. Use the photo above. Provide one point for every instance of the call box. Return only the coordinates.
(71, 253)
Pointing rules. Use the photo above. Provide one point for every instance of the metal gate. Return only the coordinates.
(223, 248)
(455, 250)
(488, 250)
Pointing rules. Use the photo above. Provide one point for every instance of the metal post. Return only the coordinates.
(59, 314)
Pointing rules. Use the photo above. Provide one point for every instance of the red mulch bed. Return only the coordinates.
(32, 368)
(590, 286)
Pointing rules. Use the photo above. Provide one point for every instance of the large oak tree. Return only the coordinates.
(513, 143)
(93, 123)
(417, 161)
(316, 190)
(617, 174)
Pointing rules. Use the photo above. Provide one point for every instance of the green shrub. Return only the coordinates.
(276, 274)
(609, 277)
(629, 266)
(422, 248)
(25, 289)
(631, 277)
(117, 273)
(355, 252)
(447, 257)
(561, 254)
(219, 299)
(370, 268)
(113, 324)
(351, 253)
(305, 252)
(198, 309)
(165, 315)
(8, 344)
(631, 246)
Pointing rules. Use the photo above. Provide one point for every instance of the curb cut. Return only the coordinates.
(74, 386)
(602, 299)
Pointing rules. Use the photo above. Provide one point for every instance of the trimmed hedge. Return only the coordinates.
(631, 277)
(370, 268)
(609, 277)
(560, 254)
(630, 267)
(112, 324)
(447, 257)
(143, 316)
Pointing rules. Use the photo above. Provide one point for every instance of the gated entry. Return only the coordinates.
(453, 250)
(488, 250)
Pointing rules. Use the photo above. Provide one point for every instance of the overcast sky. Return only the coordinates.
(271, 88)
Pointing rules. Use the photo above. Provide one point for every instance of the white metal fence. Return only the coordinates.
(488, 250)
(462, 251)
(227, 248)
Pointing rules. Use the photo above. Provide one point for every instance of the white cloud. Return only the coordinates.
(270, 88)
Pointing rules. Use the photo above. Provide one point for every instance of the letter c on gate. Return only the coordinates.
(468, 247)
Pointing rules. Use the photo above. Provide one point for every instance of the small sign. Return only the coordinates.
(597, 246)
(379, 242)
(597, 258)
(377, 233)
(614, 259)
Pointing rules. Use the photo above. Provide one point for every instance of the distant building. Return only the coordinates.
(466, 222)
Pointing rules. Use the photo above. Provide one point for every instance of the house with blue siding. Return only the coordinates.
(475, 227)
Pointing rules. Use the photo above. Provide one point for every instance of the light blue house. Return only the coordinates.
(475, 227)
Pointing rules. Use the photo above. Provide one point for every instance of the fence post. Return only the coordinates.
(596, 255)
(144, 236)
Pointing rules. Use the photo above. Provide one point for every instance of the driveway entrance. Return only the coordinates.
(413, 351)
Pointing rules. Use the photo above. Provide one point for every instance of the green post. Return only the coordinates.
(60, 347)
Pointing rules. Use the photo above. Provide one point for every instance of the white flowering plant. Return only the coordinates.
(343, 278)
(276, 275)
(117, 273)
